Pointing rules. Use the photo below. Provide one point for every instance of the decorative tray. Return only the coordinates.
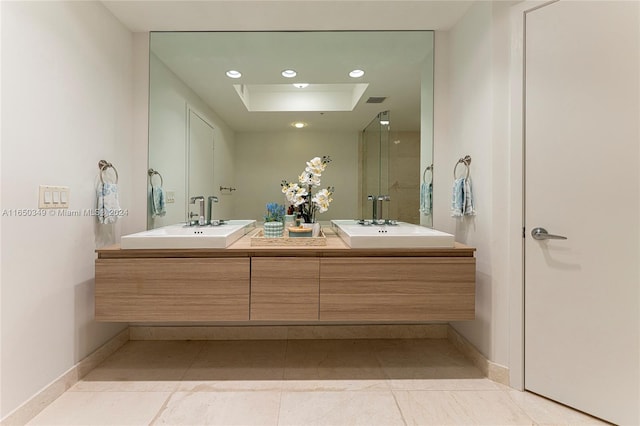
(258, 239)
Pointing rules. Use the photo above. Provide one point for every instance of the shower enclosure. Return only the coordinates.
(390, 165)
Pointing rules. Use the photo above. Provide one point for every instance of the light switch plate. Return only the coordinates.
(170, 197)
(53, 197)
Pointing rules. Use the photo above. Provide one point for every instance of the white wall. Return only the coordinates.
(472, 118)
(167, 133)
(265, 159)
(67, 84)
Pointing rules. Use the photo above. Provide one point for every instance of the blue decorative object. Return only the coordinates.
(275, 213)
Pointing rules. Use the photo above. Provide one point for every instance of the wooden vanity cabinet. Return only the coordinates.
(285, 288)
(243, 283)
(172, 289)
(397, 289)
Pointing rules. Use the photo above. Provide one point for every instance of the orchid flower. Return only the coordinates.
(300, 195)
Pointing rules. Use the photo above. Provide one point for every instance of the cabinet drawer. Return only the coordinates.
(172, 289)
(397, 289)
(284, 288)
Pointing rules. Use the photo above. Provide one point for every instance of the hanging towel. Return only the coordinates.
(457, 198)
(157, 201)
(426, 198)
(468, 209)
(462, 198)
(108, 205)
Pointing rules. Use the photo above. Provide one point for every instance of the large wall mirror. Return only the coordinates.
(223, 116)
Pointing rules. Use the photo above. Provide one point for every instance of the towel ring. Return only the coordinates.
(152, 172)
(424, 174)
(103, 166)
(466, 160)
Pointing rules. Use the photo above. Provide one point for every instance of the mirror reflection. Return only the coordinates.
(226, 122)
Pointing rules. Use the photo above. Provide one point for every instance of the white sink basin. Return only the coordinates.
(181, 236)
(402, 235)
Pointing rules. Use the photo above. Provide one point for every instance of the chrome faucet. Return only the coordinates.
(377, 207)
(374, 212)
(200, 199)
(210, 200)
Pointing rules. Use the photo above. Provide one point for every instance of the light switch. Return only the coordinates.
(53, 197)
(170, 197)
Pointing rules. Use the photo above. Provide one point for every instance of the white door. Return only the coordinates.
(582, 133)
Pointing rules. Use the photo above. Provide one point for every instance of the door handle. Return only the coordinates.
(542, 234)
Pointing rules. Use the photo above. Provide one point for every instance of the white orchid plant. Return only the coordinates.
(301, 195)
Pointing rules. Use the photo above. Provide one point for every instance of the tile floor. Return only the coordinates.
(297, 382)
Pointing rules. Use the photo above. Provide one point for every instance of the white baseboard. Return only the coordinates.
(496, 372)
(32, 407)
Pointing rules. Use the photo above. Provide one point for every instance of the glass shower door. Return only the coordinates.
(391, 166)
(375, 160)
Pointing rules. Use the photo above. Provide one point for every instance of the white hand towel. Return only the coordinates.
(108, 205)
(426, 198)
(157, 202)
(469, 209)
(457, 198)
(462, 198)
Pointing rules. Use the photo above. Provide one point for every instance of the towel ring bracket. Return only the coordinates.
(466, 161)
(424, 174)
(103, 165)
(151, 173)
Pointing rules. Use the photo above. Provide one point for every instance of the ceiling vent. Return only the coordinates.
(376, 99)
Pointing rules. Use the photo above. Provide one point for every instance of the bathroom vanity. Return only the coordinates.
(332, 283)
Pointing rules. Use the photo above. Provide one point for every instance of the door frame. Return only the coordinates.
(517, 187)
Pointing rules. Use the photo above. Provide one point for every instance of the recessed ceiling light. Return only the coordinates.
(300, 85)
(356, 73)
(234, 74)
(299, 124)
(289, 73)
